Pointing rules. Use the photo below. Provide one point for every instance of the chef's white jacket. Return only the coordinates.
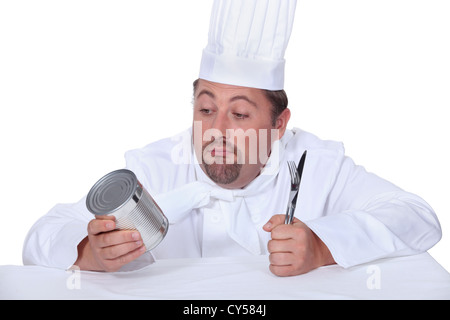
(359, 216)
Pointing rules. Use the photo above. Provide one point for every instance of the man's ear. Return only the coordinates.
(282, 121)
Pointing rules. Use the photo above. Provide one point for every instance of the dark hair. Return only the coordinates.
(278, 99)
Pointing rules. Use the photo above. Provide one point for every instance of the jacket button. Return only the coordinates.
(215, 218)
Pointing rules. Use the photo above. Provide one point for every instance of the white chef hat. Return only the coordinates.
(247, 41)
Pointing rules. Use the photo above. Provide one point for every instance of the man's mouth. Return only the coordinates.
(221, 152)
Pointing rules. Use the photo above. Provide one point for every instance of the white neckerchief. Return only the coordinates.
(179, 203)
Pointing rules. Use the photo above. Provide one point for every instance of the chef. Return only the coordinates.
(224, 183)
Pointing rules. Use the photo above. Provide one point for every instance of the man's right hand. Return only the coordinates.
(106, 249)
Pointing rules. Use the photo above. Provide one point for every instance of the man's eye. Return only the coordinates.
(205, 111)
(240, 115)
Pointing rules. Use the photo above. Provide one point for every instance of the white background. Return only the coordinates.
(81, 82)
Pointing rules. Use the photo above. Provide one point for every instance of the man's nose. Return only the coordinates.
(221, 122)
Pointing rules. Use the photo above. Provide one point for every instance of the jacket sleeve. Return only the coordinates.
(52, 241)
(368, 218)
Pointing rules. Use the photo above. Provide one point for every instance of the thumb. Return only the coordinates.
(276, 220)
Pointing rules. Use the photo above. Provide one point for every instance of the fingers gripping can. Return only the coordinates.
(120, 194)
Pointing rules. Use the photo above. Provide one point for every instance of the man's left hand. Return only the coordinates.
(294, 249)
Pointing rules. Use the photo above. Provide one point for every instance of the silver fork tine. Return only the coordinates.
(290, 163)
(295, 185)
(294, 174)
(295, 181)
(297, 178)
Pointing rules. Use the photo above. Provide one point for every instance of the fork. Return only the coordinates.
(295, 183)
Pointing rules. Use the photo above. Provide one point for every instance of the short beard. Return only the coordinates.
(223, 173)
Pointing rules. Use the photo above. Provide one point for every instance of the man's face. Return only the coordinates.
(235, 124)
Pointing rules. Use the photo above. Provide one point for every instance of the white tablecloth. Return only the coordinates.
(414, 277)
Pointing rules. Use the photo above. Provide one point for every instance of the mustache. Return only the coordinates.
(228, 145)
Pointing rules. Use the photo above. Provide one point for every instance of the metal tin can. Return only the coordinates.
(120, 194)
